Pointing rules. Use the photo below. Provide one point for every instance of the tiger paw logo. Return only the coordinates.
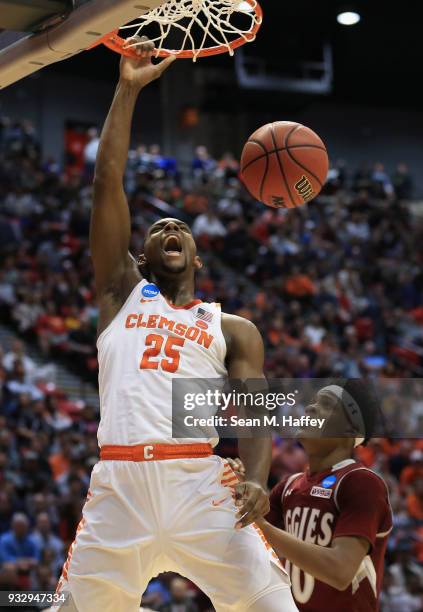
(304, 189)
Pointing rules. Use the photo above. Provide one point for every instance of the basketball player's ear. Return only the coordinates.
(141, 260)
(198, 264)
(143, 266)
(351, 430)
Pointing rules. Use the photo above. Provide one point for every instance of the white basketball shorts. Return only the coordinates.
(144, 518)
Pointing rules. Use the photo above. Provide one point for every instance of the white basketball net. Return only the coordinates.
(212, 17)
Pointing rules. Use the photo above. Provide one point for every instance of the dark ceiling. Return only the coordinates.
(377, 61)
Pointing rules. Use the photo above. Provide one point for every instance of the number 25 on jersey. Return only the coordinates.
(153, 359)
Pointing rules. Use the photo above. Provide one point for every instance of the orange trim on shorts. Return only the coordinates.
(64, 574)
(230, 479)
(155, 452)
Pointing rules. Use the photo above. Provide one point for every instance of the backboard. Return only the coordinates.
(22, 54)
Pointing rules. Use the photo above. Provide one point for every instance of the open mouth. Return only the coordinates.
(172, 245)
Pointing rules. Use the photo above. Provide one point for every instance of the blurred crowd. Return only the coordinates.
(335, 287)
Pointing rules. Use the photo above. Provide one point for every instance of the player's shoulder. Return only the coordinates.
(358, 478)
(239, 328)
(358, 470)
(237, 321)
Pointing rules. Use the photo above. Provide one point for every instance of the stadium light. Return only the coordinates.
(348, 18)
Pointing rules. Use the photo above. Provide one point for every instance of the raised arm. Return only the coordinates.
(110, 220)
(245, 361)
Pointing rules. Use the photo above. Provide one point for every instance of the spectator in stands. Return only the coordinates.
(21, 202)
(412, 464)
(142, 159)
(415, 501)
(228, 167)
(54, 417)
(336, 178)
(40, 503)
(9, 577)
(35, 474)
(402, 182)
(51, 328)
(32, 372)
(45, 538)
(229, 206)
(335, 287)
(394, 598)
(17, 353)
(180, 598)
(30, 420)
(7, 290)
(17, 384)
(90, 153)
(362, 177)
(358, 227)
(299, 284)
(156, 157)
(202, 163)
(18, 546)
(27, 311)
(282, 242)
(381, 182)
(208, 225)
(403, 570)
(156, 594)
(6, 510)
(45, 579)
(80, 339)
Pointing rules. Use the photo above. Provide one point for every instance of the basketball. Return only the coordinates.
(284, 164)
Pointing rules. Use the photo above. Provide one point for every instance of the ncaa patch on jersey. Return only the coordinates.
(150, 291)
(328, 481)
(321, 492)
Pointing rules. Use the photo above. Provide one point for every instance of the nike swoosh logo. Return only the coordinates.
(218, 503)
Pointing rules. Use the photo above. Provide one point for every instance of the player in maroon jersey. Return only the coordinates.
(330, 524)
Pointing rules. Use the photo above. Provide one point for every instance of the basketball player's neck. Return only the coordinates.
(319, 462)
(178, 291)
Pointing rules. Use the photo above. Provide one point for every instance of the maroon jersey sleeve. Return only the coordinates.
(363, 504)
(275, 516)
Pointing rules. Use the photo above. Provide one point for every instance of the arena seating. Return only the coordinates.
(336, 288)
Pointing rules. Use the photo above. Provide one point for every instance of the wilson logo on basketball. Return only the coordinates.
(278, 202)
(304, 188)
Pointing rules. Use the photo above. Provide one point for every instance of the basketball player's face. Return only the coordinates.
(170, 248)
(336, 429)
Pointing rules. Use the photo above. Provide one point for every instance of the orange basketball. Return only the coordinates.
(284, 164)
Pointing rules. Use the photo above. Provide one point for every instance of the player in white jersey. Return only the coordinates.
(156, 503)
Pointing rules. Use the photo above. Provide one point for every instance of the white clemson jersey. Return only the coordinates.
(149, 343)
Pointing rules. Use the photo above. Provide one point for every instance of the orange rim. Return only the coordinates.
(116, 43)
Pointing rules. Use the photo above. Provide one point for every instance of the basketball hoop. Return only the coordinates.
(205, 27)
